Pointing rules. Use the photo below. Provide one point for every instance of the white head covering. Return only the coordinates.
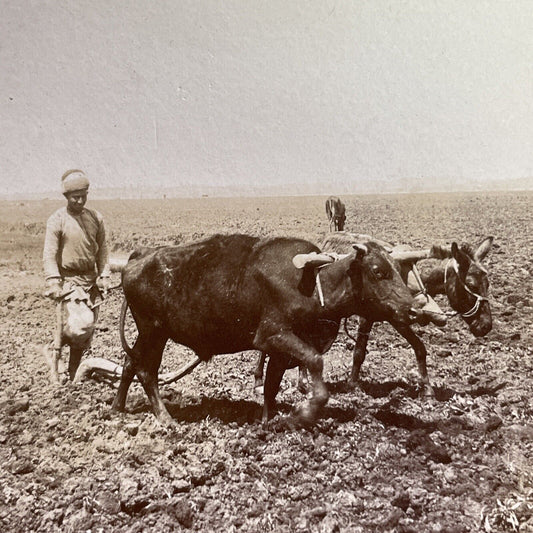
(74, 180)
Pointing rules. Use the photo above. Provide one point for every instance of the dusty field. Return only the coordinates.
(380, 459)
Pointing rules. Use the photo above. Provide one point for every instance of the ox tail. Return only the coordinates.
(123, 341)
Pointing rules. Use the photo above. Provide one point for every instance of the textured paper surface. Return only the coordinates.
(230, 98)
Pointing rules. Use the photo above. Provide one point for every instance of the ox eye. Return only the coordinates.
(472, 283)
(378, 272)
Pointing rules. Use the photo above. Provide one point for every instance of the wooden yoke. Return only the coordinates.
(410, 255)
(435, 252)
(312, 259)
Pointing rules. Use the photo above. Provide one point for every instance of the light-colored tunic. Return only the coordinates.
(75, 247)
(75, 253)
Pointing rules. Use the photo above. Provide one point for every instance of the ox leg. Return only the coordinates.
(147, 370)
(258, 372)
(289, 345)
(359, 350)
(149, 381)
(274, 374)
(303, 376)
(128, 373)
(144, 361)
(303, 379)
(421, 354)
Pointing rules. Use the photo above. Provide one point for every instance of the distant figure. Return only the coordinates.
(336, 213)
(76, 268)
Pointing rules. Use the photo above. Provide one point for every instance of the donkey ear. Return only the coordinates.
(462, 259)
(483, 249)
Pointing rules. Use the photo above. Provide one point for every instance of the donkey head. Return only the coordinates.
(467, 286)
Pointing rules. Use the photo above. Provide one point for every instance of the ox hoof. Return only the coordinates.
(427, 392)
(166, 421)
(118, 407)
(355, 374)
(306, 414)
(304, 388)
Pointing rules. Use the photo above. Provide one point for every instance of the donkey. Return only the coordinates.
(464, 281)
(336, 212)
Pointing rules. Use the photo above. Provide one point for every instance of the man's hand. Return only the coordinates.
(103, 283)
(53, 288)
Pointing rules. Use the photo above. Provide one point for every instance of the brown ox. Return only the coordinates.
(336, 213)
(404, 258)
(232, 293)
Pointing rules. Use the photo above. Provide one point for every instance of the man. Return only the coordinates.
(76, 269)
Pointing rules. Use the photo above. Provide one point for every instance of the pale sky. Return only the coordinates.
(218, 92)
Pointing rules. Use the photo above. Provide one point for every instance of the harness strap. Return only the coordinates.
(475, 308)
(319, 288)
(418, 279)
(335, 257)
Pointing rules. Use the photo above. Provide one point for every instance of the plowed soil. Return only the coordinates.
(380, 459)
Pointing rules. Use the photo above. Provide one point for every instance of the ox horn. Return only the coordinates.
(312, 259)
(360, 248)
(440, 252)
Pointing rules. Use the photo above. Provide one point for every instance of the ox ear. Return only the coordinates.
(360, 250)
(483, 249)
(440, 252)
(462, 259)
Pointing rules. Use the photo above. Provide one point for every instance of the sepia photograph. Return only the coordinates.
(266, 266)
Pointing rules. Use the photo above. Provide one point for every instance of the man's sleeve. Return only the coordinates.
(102, 259)
(51, 248)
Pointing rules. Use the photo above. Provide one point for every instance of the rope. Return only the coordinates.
(475, 308)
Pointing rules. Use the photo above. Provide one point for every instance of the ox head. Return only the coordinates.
(467, 286)
(384, 295)
(363, 282)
